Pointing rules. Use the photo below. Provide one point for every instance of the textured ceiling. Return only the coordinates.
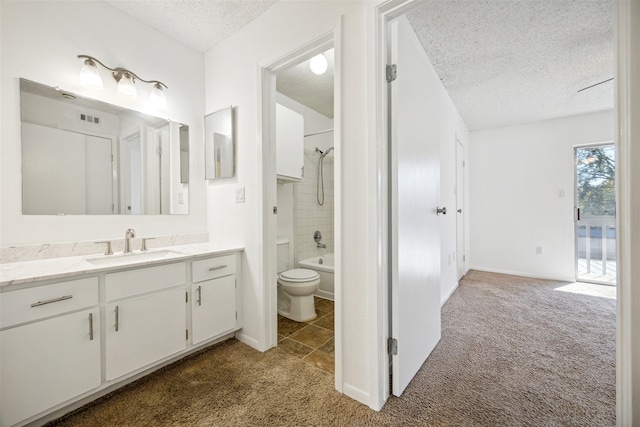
(301, 84)
(513, 61)
(502, 62)
(199, 24)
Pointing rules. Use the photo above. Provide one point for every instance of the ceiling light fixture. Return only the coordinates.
(318, 64)
(89, 76)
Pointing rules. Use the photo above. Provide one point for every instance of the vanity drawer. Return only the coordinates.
(128, 283)
(211, 268)
(26, 305)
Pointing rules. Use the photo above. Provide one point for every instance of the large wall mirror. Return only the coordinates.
(81, 156)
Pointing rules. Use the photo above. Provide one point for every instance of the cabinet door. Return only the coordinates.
(143, 330)
(48, 362)
(289, 143)
(213, 308)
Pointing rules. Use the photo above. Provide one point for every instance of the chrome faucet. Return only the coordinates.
(127, 240)
(322, 245)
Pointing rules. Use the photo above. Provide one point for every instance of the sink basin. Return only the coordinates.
(131, 258)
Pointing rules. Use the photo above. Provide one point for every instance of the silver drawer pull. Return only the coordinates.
(91, 326)
(49, 301)
(117, 319)
(199, 295)
(219, 267)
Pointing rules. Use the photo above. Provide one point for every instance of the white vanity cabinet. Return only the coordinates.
(214, 296)
(49, 347)
(65, 342)
(289, 144)
(146, 318)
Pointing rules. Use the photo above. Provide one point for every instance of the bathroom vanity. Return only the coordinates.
(73, 329)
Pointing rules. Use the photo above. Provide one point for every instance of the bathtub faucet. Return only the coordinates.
(322, 245)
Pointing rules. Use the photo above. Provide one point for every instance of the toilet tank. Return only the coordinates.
(283, 255)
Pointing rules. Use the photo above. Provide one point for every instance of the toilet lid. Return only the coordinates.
(299, 275)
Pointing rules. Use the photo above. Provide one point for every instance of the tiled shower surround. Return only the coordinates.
(309, 216)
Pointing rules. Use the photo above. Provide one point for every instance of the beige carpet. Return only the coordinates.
(514, 351)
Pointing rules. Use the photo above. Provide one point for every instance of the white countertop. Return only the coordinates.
(55, 268)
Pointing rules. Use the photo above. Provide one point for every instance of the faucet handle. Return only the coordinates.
(108, 250)
(144, 243)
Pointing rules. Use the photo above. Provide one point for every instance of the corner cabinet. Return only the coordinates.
(66, 342)
(289, 144)
(49, 347)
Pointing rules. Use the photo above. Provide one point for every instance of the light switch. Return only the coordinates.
(240, 195)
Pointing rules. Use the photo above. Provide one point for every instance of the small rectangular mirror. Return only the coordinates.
(219, 147)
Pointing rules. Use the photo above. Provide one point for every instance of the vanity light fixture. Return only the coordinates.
(89, 76)
(318, 64)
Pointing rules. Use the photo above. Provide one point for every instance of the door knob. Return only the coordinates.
(440, 210)
(459, 210)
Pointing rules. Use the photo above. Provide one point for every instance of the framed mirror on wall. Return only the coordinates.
(219, 148)
(81, 156)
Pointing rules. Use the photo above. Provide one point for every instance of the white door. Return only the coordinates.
(460, 210)
(415, 190)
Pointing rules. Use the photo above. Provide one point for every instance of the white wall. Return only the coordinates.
(521, 194)
(232, 77)
(40, 42)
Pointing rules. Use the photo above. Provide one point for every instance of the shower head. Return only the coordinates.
(330, 149)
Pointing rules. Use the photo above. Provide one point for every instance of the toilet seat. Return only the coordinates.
(299, 275)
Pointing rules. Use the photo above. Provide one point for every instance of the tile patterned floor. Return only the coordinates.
(312, 341)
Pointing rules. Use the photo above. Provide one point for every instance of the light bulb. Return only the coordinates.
(318, 64)
(89, 75)
(126, 86)
(157, 98)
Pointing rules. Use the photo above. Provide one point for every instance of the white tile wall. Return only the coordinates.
(309, 216)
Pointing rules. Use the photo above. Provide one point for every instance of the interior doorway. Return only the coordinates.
(273, 99)
(595, 214)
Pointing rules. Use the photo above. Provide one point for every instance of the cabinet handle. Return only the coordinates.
(199, 295)
(49, 301)
(90, 326)
(219, 267)
(117, 316)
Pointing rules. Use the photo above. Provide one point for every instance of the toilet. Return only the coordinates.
(295, 287)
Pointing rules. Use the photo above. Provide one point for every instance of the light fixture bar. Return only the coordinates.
(119, 72)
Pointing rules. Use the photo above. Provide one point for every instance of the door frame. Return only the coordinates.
(268, 189)
(461, 256)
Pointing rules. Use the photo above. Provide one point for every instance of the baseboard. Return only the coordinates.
(446, 298)
(251, 342)
(357, 394)
(524, 274)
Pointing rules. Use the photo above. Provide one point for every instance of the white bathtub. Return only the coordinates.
(324, 266)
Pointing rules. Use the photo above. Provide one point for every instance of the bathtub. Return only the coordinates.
(325, 270)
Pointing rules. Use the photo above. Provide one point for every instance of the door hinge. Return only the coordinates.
(392, 72)
(236, 315)
(464, 164)
(275, 210)
(187, 333)
(392, 346)
(464, 257)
